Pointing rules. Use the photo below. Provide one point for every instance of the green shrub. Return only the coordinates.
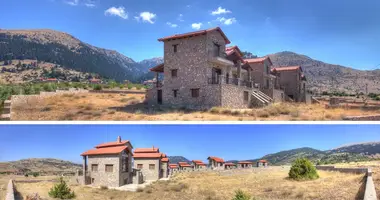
(35, 174)
(97, 87)
(303, 169)
(129, 86)
(240, 195)
(48, 87)
(61, 191)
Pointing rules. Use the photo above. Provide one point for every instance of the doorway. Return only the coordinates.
(159, 96)
(216, 73)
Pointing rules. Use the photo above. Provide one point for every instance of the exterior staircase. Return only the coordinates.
(260, 99)
(6, 112)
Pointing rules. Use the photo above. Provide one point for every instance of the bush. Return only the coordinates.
(303, 169)
(61, 191)
(97, 87)
(240, 195)
(35, 174)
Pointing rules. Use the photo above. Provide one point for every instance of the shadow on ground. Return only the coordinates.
(360, 194)
(143, 108)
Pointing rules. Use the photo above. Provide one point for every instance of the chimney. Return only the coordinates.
(153, 147)
(118, 139)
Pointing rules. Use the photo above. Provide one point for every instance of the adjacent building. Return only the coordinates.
(184, 166)
(173, 168)
(109, 164)
(229, 165)
(215, 163)
(244, 164)
(198, 164)
(262, 163)
(293, 81)
(151, 163)
(200, 71)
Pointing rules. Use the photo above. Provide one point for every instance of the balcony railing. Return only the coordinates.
(232, 81)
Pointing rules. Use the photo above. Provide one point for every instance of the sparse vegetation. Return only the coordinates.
(240, 195)
(61, 191)
(303, 169)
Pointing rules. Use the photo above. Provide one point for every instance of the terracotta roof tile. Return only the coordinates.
(230, 164)
(147, 150)
(158, 68)
(197, 161)
(287, 68)
(172, 166)
(216, 159)
(105, 150)
(113, 144)
(184, 164)
(196, 33)
(262, 161)
(164, 159)
(258, 60)
(147, 155)
(245, 162)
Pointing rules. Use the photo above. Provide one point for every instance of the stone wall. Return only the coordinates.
(278, 95)
(147, 173)
(101, 177)
(363, 118)
(232, 96)
(370, 190)
(10, 191)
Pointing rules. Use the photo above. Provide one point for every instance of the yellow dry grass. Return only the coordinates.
(270, 183)
(130, 107)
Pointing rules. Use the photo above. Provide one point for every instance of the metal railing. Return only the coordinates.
(232, 81)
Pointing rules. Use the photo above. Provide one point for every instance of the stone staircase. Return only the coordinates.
(6, 112)
(260, 99)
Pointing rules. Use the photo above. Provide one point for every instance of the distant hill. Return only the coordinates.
(368, 148)
(176, 159)
(48, 165)
(65, 50)
(328, 77)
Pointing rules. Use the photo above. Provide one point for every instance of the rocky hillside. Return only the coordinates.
(48, 165)
(176, 159)
(368, 148)
(65, 50)
(327, 77)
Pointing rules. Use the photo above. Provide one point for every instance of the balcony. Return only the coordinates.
(219, 59)
(230, 81)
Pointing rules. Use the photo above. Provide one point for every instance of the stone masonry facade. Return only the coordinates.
(150, 167)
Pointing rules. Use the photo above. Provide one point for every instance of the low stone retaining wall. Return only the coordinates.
(120, 91)
(10, 191)
(5, 114)
(370, 191)
(363, 118)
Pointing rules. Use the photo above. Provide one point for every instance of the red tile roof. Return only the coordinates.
(164, 159)
(95, 80)
(230, 50)
(159, 68)
(258, 60)
(229, 164)
(197, 161)
(172, 166)
(262, 161)
(287, 68)
(220, 160)
(163, 155)
(184, 164)
(114, 144)
(105, 150)
(195, 33)
(244, 162)
(147, 150)
(147, 155)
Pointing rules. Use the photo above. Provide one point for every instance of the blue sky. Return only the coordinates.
(345, 32)
(191, 141)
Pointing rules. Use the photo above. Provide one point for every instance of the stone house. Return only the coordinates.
(262, 163)
(216, 163)
(109, 164)
(293, 81)
(200, 72)
(149, 161)
(164, 166)
(173, 168)
(244, 164)
(230, 165)
(198, 164)
(184, 166)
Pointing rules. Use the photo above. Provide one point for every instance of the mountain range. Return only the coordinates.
(67, 51)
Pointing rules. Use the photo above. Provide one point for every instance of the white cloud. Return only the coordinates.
(225, 21)
(196, 26)
(72, 2)
(180, 18)
(171, 24)
(120, 11)
(146, 17)
(219, 11)
(90, 5)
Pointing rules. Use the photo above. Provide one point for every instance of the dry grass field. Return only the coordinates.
(270, 183)
(111, 106)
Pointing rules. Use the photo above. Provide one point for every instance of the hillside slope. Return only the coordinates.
(67, 51)
(48, 165)
(328, 77)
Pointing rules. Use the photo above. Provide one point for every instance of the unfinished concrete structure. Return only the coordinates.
(109, 164)
(149, 161)
(198, 164)
(244, 164)
(262, 163)
(200, 72)
(215, 163)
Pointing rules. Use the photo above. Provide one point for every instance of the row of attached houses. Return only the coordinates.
(114, 164)
(200, 71)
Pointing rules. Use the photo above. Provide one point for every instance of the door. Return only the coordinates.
(216, 75)
(159, 96)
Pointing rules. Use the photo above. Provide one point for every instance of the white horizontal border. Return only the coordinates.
(189, 122)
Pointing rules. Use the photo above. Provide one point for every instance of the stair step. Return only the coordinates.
(5, 117)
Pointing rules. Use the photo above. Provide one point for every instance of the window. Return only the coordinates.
(152, 166)
(175, 48)
(124, 161)
(195, 92)
(92, 180)
(268, 83)
(174, 73)
(245, 95)
(175, 93)
(109, 168)
(216, 49)
(94, 167)
(139, 166)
